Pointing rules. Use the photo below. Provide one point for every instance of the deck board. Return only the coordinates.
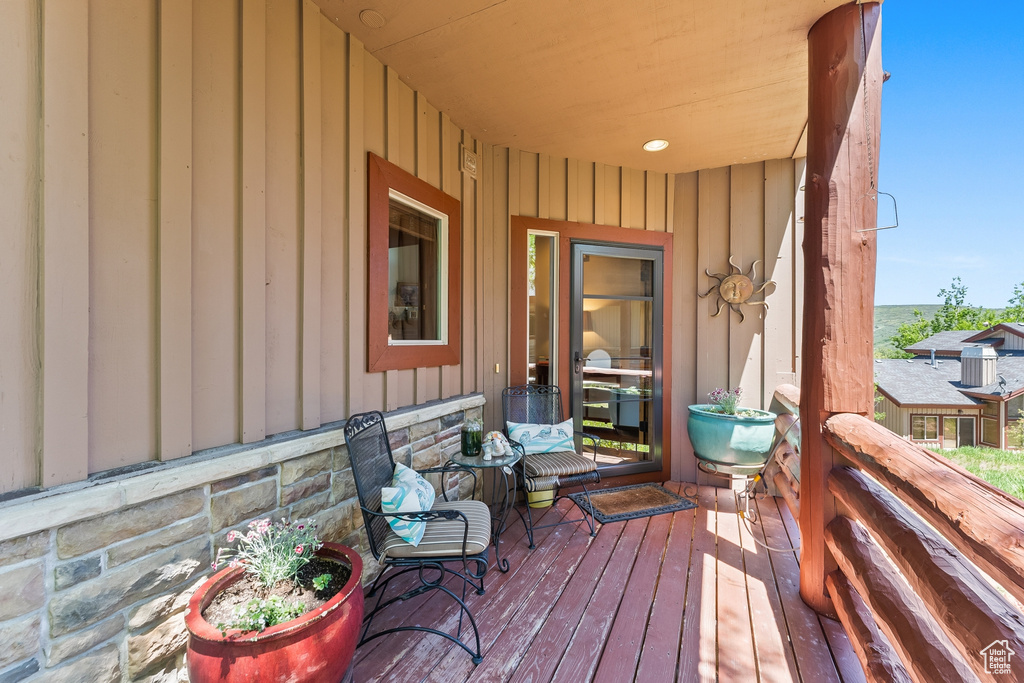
(661, 642)
(775, 659)
(383, 655)
(542, 657)
(735, 638)
(814, 659)
(698, 659)
(491, 615)
(686, 596)
(583, 654)
(626, 639)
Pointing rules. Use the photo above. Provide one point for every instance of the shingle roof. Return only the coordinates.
(916, 382)
(953, 342)
(1012, 328)
(1011, 369)
(947, 343)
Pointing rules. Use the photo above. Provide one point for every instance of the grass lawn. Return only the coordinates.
(1002, 469)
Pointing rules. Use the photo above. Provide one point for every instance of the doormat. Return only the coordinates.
(630, 502)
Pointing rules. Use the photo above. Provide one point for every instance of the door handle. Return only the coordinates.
(577, 362)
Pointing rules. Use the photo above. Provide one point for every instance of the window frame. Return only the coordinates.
(385, 180)
(926, 417)
(992, 423)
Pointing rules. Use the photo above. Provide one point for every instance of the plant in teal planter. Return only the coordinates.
(728, 439)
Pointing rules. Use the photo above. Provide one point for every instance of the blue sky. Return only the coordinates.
(952, 150)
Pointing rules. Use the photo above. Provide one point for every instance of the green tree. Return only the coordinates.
(954, 314)
(886, 351)
(1014, 312)
(909, 334)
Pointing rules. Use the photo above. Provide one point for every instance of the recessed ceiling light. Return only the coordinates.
(655, 145)
(371, 18)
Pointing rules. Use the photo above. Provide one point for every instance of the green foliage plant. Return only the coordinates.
(726, 399)
(271, 553)
(259, 614)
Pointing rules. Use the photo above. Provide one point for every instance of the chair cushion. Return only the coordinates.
(442, 537)
(543, 438)
(409, 492)
(557, 464)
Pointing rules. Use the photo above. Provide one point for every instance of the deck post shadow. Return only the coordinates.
(844, 112)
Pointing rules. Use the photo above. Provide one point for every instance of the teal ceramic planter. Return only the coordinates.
(730, 444)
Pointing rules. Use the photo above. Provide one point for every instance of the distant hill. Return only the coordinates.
(889, 318)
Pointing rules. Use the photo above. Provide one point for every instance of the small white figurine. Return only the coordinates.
(496, 445)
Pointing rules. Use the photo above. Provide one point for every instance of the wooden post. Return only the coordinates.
(844, 91)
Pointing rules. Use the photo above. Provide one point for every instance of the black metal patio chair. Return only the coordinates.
(542, 404)
(456, 532)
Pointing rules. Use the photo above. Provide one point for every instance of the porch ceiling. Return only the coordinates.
(724, 81)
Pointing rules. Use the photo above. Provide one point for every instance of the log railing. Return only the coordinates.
(783, 474)
(927, 554)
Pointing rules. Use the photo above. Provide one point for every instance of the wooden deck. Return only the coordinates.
(683, 597)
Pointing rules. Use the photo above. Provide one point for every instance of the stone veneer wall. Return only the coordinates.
(95, 577)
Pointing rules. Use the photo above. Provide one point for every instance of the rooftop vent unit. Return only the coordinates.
(977, 366)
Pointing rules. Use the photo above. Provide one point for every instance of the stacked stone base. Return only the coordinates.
(95, 577)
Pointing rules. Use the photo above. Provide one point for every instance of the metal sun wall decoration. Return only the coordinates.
(734, 288)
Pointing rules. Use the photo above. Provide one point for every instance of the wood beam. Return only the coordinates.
(877, 656)
(844, 89)
(968, 607)
(981, 521)
(790, 493)
(923, 646)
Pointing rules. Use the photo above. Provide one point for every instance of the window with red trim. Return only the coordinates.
(414, 302)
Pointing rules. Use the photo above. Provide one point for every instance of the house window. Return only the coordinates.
(924, 428)
(414, 279)
(1014, 414)
(990, 431)
(1014, 407)
(417, 255)
(542, 321)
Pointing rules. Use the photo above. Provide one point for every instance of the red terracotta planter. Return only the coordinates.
(315, 648)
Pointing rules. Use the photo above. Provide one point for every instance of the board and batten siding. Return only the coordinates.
(898, 418)
(21, 246)
(184, 255)
(202, 230)
(752, 212)
(1011, 342)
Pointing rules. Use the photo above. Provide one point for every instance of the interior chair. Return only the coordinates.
(541, 404)
(454, 541)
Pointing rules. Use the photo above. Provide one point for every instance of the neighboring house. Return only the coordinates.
(962, 388)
